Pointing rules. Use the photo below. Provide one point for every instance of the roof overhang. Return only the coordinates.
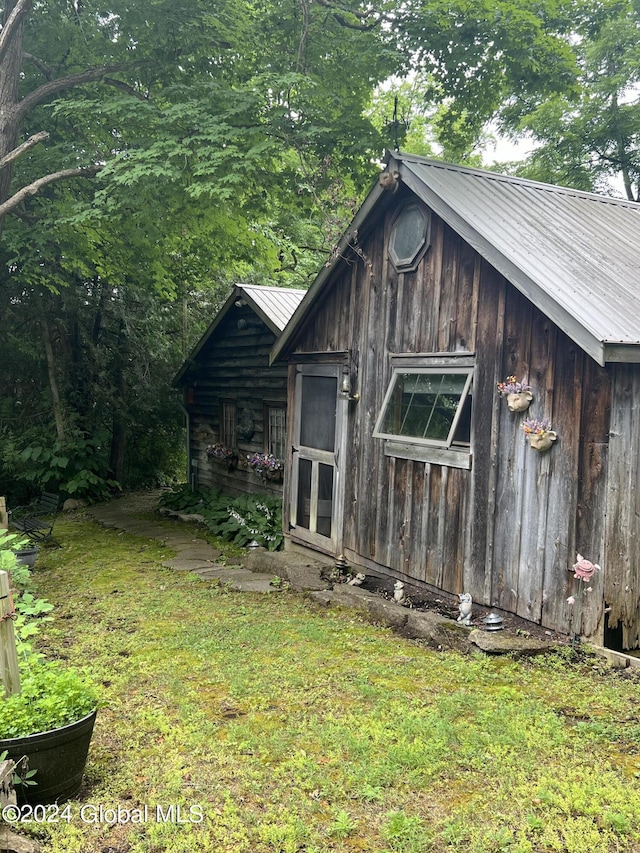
(602, 351)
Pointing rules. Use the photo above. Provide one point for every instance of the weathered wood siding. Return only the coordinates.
(622, 555)
(234, 366)
(508, 529)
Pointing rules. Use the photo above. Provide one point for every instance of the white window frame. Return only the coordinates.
(426, 449)
(276, 428)
(229, 423)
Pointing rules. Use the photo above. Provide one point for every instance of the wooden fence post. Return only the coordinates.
(9, 673)
(4, 518)
(10, 840)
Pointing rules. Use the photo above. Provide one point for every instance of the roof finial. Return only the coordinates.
(396, 123)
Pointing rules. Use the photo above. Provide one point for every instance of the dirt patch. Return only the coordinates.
(447, 606)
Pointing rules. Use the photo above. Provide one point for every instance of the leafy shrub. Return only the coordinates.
(239, 520)
(9, 543)
(246, 518)
(50, 697)
(76, 466)
(185, 499)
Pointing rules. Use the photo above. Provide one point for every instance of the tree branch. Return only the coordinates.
(15, 16)
(120, 84)
(302, 45)
(35, 187)
(364, 28)
(29, 57)
(17, 152)
(51, 88)
(335, 8)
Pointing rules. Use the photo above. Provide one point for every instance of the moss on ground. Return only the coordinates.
(296, 729)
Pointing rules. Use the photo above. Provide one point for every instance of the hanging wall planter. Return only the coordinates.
(517, 394)
(519, 402)
(539, 434)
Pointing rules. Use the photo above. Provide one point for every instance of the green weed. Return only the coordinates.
(304, 730)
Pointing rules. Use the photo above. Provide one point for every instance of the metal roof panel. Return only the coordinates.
(274, 305)
(579, 249)
(277, 303)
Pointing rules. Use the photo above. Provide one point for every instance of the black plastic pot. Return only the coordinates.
(59, 757)
(27, 556)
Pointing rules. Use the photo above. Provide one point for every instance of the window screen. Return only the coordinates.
(318, 412)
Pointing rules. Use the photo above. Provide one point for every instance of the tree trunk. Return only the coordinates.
(119, 434)
(56, 400)
(120, 426)
(10, 63)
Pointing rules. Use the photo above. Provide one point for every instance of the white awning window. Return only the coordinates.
(427, 405)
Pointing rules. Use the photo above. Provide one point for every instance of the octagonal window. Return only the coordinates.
(409, 237)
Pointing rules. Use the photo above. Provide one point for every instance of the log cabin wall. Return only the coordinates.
(508, 529)
(234, 367)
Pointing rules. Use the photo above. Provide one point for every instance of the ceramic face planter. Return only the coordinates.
(519, 401)
(542, 441)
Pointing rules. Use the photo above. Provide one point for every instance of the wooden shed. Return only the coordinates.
(235, 401)
(406, 459)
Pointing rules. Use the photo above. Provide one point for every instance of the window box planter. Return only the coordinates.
(266, 466)
(222, 456)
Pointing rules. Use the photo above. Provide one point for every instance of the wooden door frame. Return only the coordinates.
(333, 544)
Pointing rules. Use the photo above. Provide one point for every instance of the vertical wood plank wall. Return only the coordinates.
(508, 529)
(234, 366)
(622, 567)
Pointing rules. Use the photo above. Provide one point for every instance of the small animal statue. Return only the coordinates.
(389, 180)
(466, 603)
(356, 580)
(399, 595)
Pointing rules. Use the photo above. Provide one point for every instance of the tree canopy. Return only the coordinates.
(587, 138)
(153, 153)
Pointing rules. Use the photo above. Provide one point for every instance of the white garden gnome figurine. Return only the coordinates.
(399, 595)
(466, 603)
(356, 580)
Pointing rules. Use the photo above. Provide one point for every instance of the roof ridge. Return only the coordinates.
(514, 179)
(271, 287)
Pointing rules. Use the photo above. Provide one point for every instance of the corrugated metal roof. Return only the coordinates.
(274, 305)
(277, 303)
(576, 255)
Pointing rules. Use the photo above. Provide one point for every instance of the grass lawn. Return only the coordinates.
(289, 728)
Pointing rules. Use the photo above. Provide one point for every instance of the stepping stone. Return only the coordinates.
(187, 565)
(258, 584)
(224, 573)
(191, 516)
(176, 541)
(502, 643)
(199, 552)
(241, 580)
